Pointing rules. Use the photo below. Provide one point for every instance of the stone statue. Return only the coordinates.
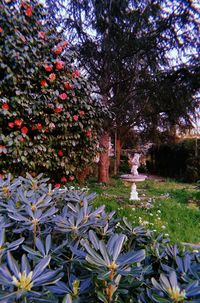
(133, 177)
(135, 162)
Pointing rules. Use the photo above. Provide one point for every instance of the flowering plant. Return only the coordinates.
(49, 121)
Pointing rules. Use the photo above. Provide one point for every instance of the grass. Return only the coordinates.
(175, 210)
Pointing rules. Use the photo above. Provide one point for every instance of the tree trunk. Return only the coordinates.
(115, 160)
(83, 174)
(104, 161)
(118, 152)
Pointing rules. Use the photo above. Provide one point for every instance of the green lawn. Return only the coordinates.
(175, 210)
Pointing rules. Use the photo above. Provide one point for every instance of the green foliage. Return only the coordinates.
(48, 120)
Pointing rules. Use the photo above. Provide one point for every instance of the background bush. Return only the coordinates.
(180, 160)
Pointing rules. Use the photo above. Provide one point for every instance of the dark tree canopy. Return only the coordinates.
(126, 47)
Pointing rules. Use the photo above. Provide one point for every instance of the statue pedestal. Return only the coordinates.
(132, 179)
(134, 193)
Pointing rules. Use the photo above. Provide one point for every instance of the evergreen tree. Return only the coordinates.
(131, 41)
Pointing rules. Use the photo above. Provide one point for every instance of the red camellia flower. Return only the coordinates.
(67, 85)
(18, 122)
(24, 130)
(1, 29)
(71, 178)
(2, 148)
(57, 185)
(88, 133)
(58, 50)
(81, 113)
(64, 44)
(52, 77)
(11, 124)
(60, 153)
(63, 179)
(58, 109)
(5, 106)
(63, 96)
(48, 68)
(75, 117)
(43, 83)
(39, 126)
(21, 139)
(77, 73)
(59, 64)
(41, 35)
(29, 11)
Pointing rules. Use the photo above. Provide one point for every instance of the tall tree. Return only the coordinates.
(132, 36)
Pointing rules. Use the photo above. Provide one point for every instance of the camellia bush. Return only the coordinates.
(48, 120)
(56, 247)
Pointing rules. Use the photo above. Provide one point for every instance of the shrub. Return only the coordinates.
(124, 164)
(56, 247)
(180, 160)
(49, 121)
